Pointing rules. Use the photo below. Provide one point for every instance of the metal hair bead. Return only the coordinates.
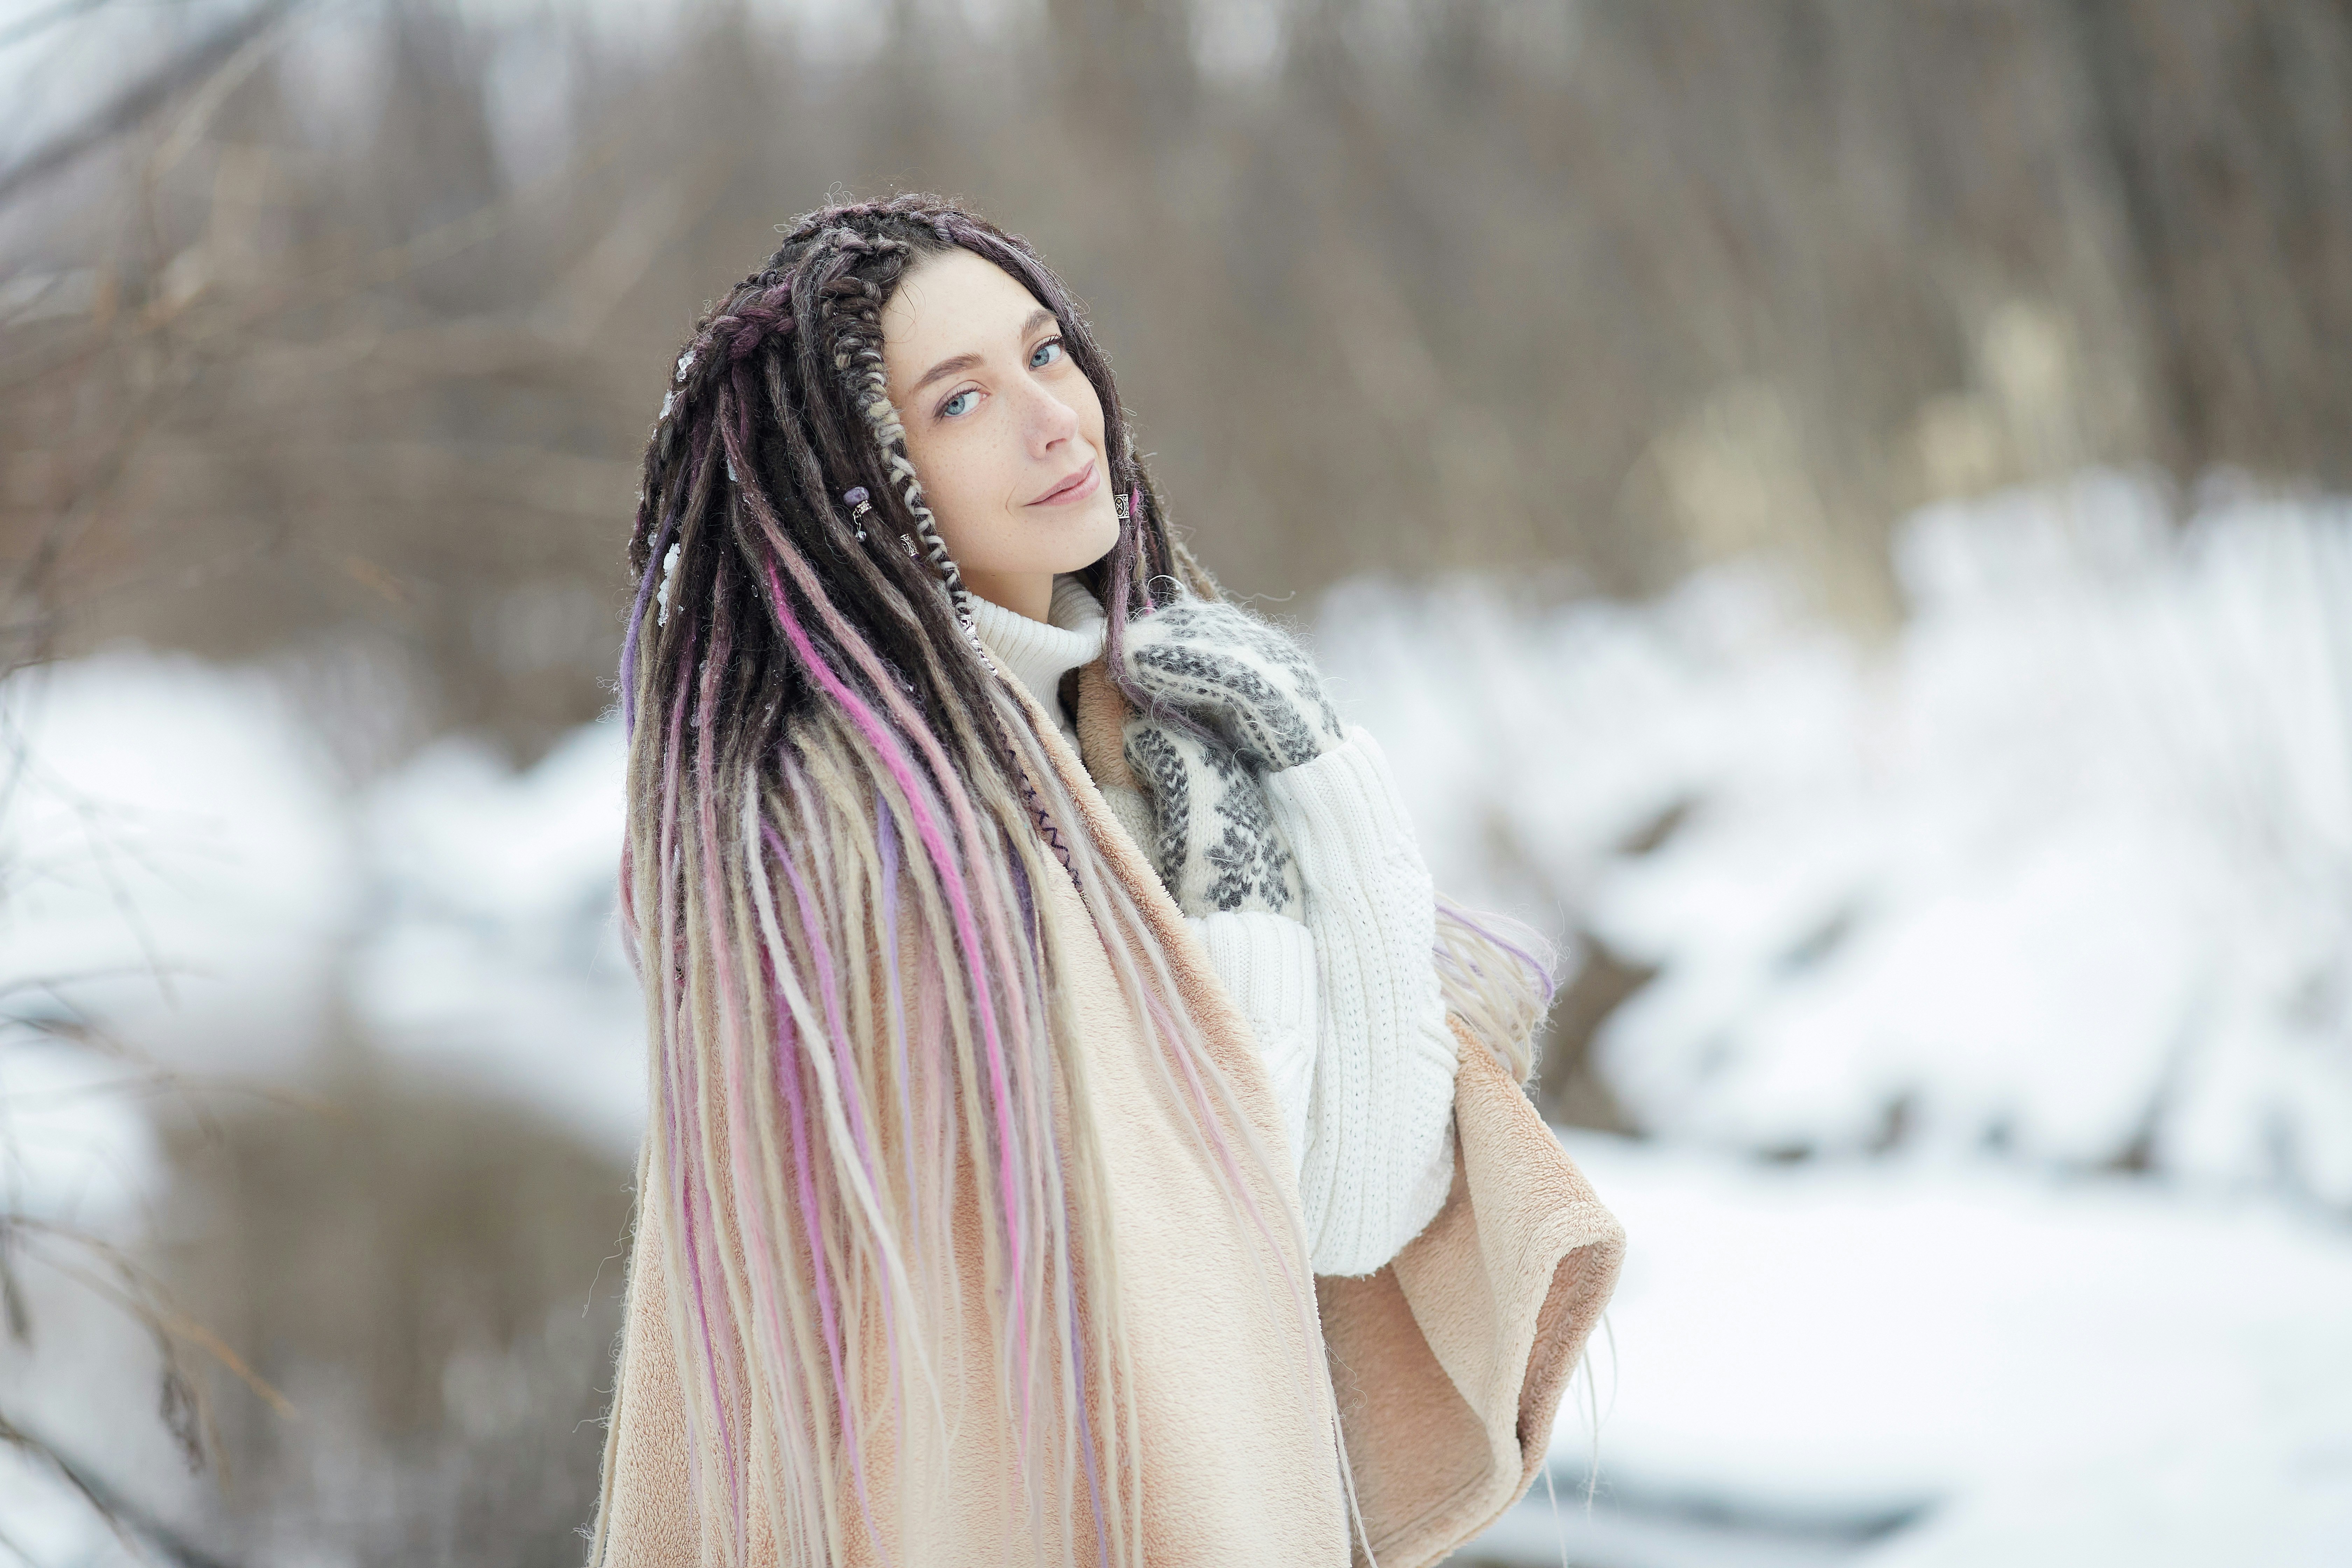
(858, 504)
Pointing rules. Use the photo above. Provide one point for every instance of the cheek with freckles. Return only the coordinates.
(964, 484)
(977, 482)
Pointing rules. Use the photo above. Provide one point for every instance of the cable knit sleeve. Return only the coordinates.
(1346, 1007)
(1376, 1160)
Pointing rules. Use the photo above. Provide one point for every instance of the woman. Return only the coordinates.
(1064, 1145)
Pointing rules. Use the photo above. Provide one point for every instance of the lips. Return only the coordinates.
(1077, 487)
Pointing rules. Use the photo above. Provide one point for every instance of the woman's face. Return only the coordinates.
(1004, 428)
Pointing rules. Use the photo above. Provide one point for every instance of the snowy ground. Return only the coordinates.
(2020, 1369)
(2059, 882)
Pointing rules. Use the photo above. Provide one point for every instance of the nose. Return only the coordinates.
(1047, 422)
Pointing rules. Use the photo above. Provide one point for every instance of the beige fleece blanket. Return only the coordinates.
(1448, 1364)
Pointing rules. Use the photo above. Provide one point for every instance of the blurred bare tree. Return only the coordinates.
(55, 1265)
(451, 1349)
(1604, 287)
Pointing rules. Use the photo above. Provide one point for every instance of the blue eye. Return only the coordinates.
(1054, 343)
(950, 410)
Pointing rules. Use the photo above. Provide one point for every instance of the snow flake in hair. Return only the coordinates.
(661, 595)
(684, 363)
(669, 401)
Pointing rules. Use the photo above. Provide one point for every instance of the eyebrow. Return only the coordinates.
(1037, 318)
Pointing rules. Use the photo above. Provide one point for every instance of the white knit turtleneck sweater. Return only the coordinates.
(1037, 654)
(1345, 1004)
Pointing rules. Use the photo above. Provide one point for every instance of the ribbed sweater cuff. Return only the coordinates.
(1344, 805)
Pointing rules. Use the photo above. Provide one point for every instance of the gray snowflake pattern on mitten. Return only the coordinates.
(1214, 841)
(1240, 678)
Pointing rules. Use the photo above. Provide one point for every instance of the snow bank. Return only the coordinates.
(179, 859)
(74, 1149)
(49, 1523)
(2059, 1371)
(2066, 870)
(187, 870)
(497, 960)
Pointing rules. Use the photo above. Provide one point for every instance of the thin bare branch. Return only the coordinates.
(142, 98)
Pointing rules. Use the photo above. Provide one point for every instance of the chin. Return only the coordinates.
(1093, 540)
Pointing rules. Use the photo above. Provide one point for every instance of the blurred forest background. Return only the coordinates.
(330, 332)
(350, 319)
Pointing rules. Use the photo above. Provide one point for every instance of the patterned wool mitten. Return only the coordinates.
(1214, 840)
(1239, 677)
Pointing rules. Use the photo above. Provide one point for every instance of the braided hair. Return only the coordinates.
(838, 818)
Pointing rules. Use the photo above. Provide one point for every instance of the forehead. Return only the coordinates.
(951, 304)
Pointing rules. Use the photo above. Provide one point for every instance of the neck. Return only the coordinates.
(1029, 594)
(1038, 651)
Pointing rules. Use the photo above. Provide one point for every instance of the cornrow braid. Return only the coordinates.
(851, 318)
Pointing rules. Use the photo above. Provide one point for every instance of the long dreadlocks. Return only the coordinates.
(837, 819)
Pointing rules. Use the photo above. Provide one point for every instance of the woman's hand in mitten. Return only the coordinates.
(1237, 677)
(1214, 840)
